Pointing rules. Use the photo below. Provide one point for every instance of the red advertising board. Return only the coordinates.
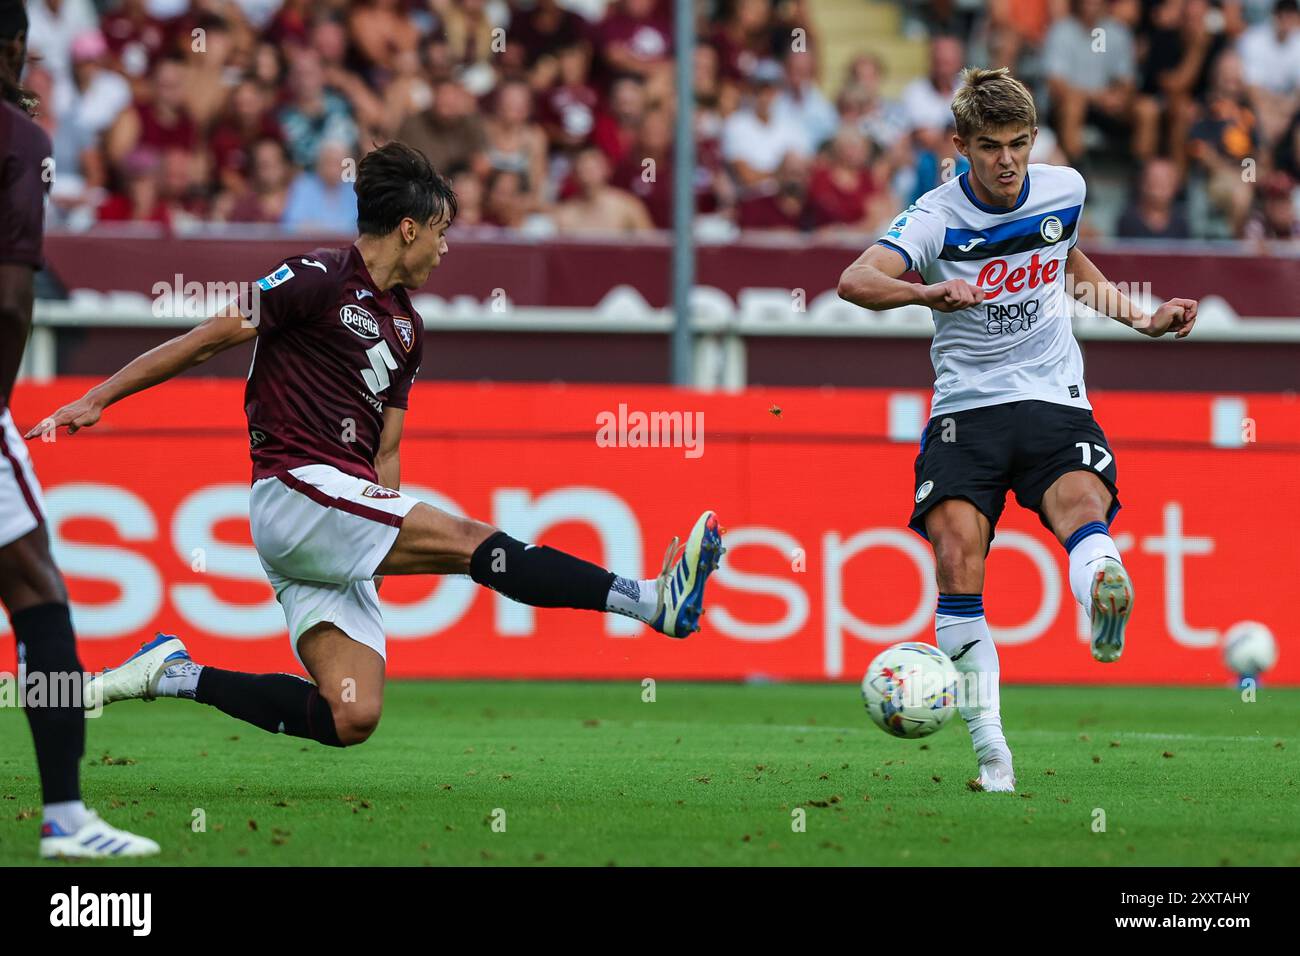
(149, 514)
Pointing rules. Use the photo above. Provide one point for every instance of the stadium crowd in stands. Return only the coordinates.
(556, 116)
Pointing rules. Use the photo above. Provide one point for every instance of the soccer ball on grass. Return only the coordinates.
(910, 690)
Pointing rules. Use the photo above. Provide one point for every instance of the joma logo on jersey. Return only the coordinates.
(359, 321)
(997, 276)
(1010, 318)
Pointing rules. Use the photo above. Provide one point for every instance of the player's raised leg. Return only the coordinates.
(432, 541)
(959, 533)
(1076, 507)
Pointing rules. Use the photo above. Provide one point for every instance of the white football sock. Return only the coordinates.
(69, 816)
(638, 599)
(965, 638)
(1088, 546)
(179, 680)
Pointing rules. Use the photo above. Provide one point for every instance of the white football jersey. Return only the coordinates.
(1018, 343)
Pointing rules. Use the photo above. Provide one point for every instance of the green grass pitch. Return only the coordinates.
(589, 774)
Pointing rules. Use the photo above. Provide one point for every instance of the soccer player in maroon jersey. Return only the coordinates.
(31, 587)
(338, 344)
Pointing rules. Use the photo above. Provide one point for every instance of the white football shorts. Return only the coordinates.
(321, 534)
(21, 507)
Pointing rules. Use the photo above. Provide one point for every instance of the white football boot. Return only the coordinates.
(1112, 603)
(137, 677)
(996, 777)
(681, 583)
(95, 840)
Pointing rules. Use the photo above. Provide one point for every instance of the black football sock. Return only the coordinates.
(278, 703)
(47, 654)
(540, 576)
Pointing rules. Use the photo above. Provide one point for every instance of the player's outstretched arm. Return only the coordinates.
(1089, 286)
(211, 336)
(873, 282)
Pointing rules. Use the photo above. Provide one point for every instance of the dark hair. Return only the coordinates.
(13, 49)
(395, 182)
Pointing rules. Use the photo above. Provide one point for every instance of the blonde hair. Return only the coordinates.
(989, 99)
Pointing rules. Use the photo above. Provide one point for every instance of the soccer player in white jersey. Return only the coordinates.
(996, 248)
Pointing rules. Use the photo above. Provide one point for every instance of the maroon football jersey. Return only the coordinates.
(332, 353)
(24, 150)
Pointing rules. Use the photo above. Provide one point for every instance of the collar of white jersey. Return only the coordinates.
(985, 207)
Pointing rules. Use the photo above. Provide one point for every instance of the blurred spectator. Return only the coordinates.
(515, 143)
(1175, 73)
(161, 123)
(323, 200)
(1151, 213)
(52, 25)
(330, 41)
(135, 37)
(1012, 27)
(247, 120)
(380, 33)
(289, 25)
(139, 200)
(955, 17)
(207, 71)
(646, 171)
(1088, 84)
(268, 68)
(933, 167)
(616, 128)
(543, 32)
(77, 187)
(755, 139)
(96, 96)
(598, 206)
(467, 29)
(744, 39)
(1275, 216)
(181, 187)
(505, 202)
(802, 102)
(409, 92)
(159, 187)
(1270, 56)
(927, 102)
(1223, 139)
(314, 113)
(450, 133)
(862, 104)
(469, 197)
(267, 193)
(1286, 156)
(786, 207)
(567, 110)
(633, 38)
(843, 191)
